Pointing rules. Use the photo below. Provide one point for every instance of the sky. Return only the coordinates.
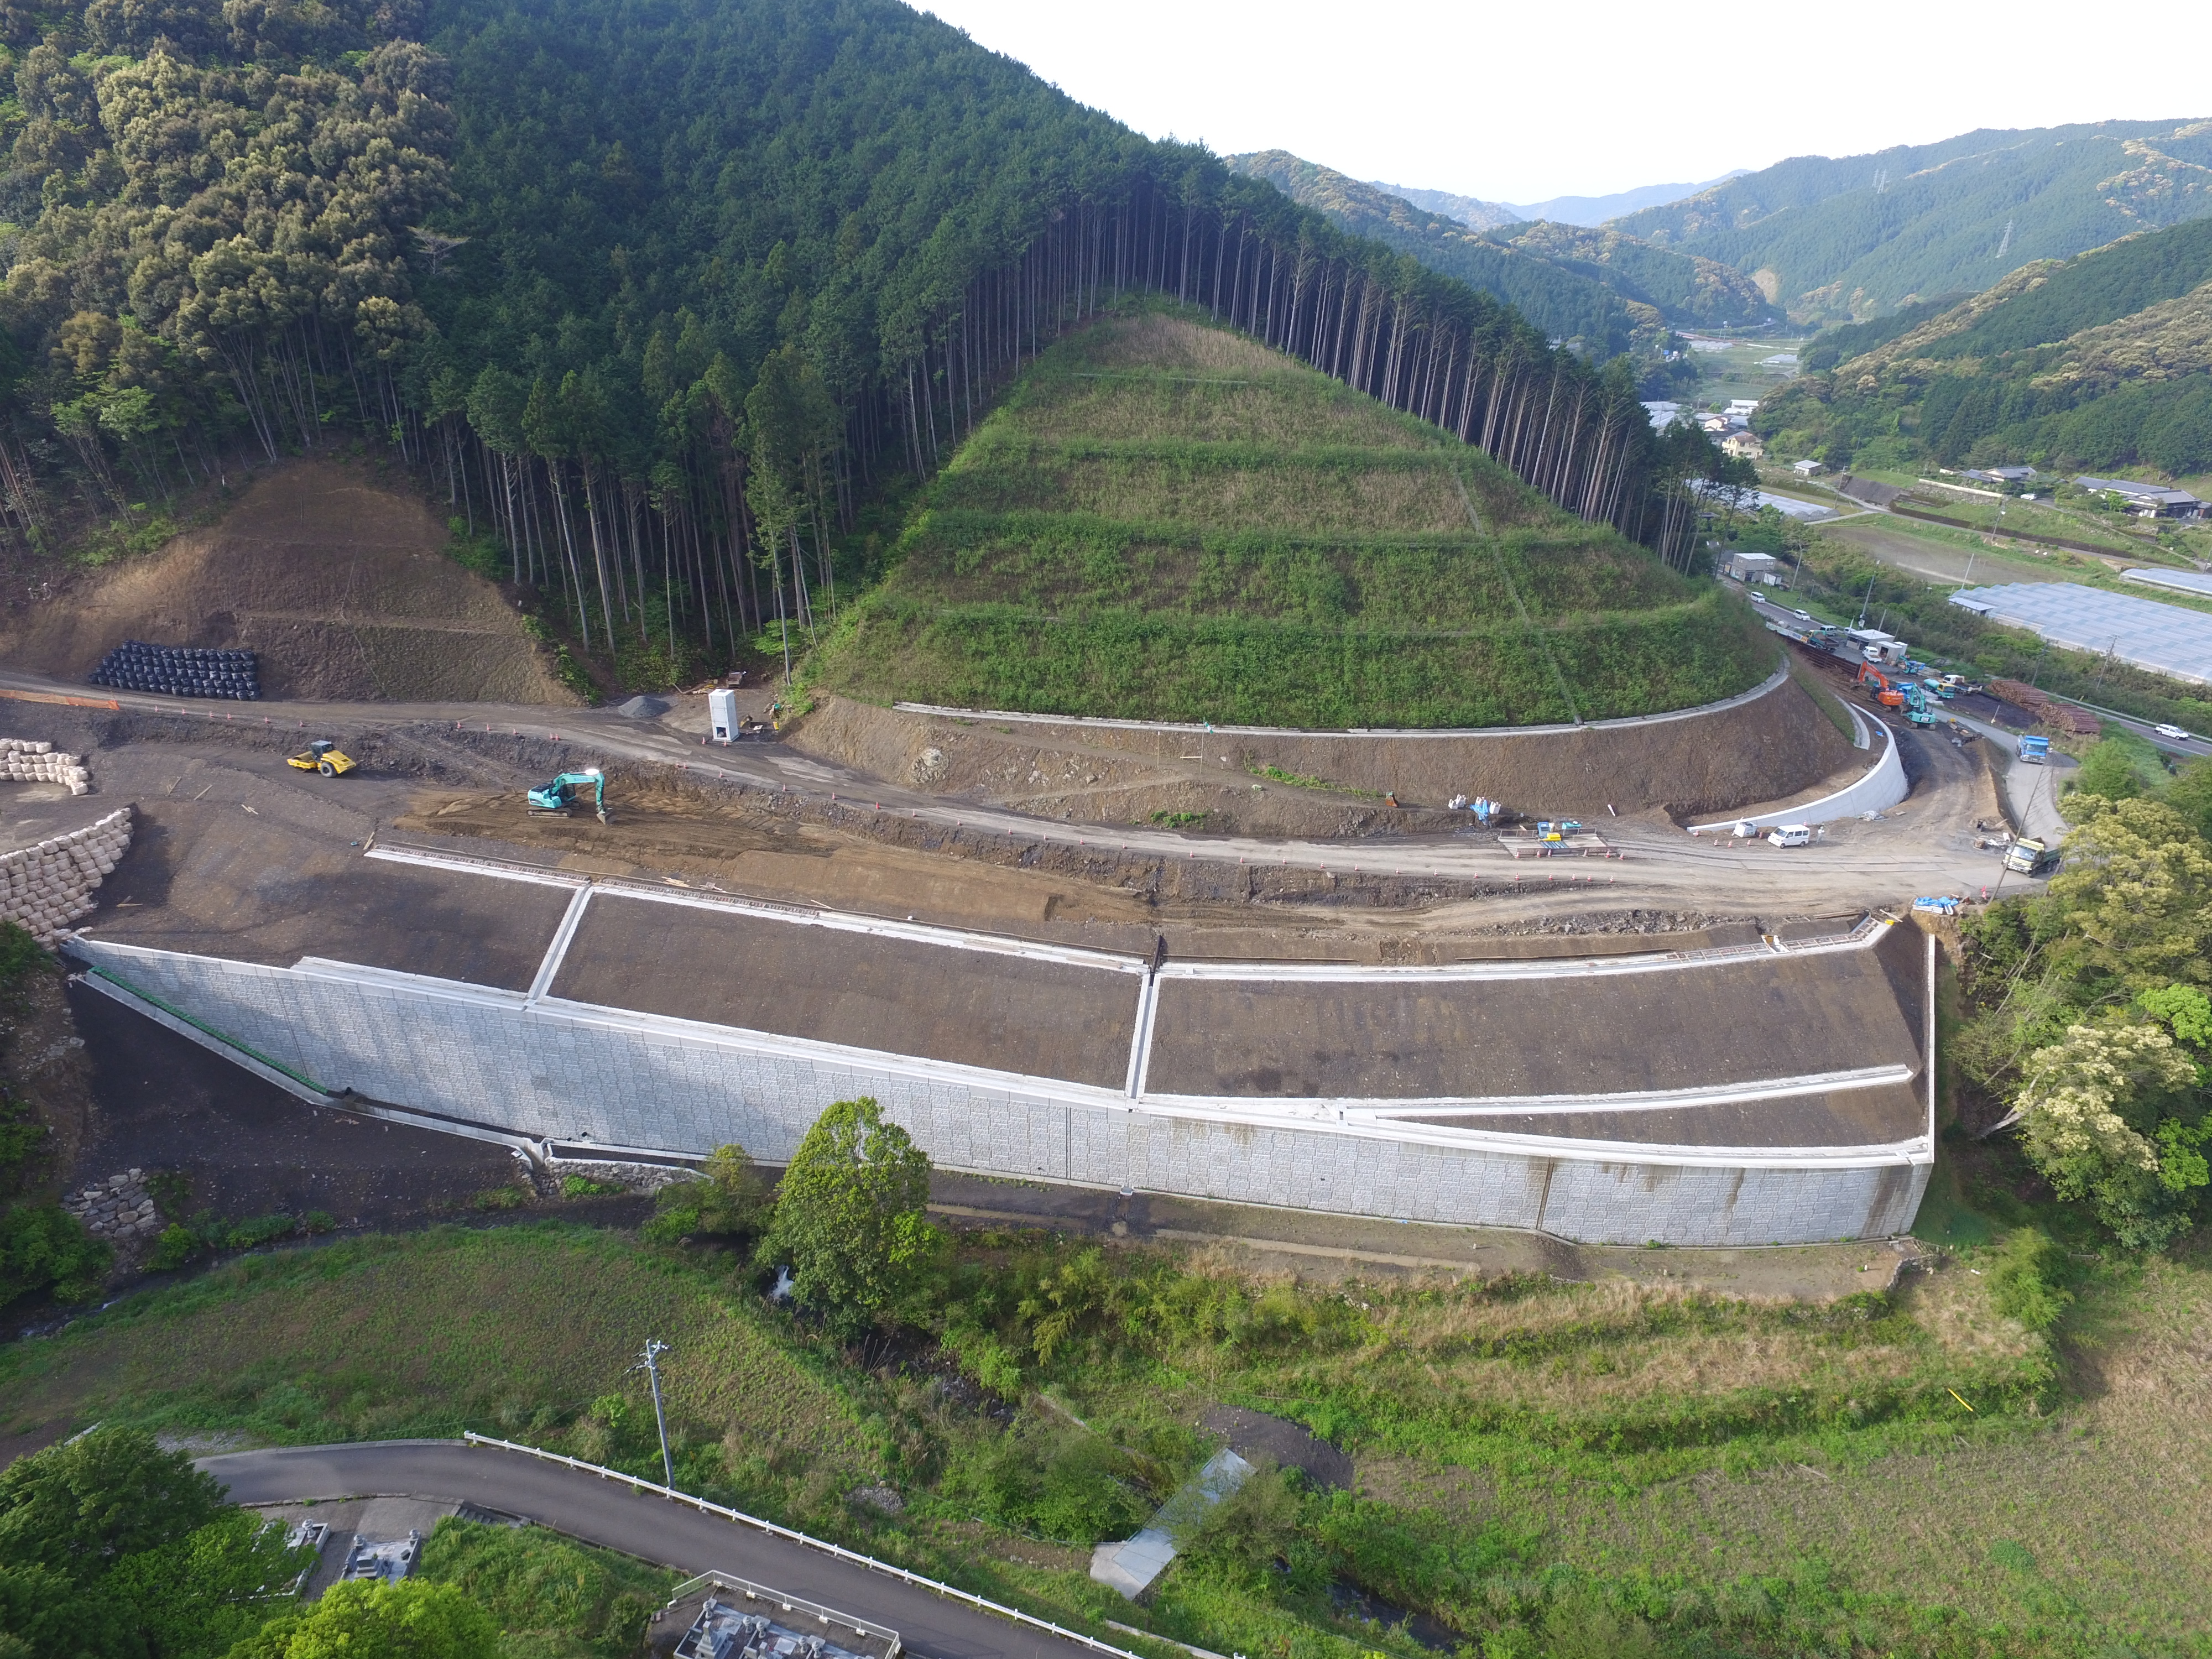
(1523, 102)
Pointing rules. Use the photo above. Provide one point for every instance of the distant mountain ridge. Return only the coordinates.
(1608, 290)
(1588, 211)
(1840, 239)
(2101, 360)
(1470, 210)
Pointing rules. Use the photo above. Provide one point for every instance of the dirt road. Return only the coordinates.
(1924, 846)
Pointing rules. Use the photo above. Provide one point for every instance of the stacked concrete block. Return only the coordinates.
(118, 1208)
(46, 888)
(22, 760)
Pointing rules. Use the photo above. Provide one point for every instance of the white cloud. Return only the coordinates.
(1523, 102)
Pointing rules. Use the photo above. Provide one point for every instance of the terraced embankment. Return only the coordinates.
(1768, 745)
(1165, 521)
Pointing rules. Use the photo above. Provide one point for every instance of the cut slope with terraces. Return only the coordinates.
(1166, 520)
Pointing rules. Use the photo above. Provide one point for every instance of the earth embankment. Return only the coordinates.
(1767, 748)
(338, 582)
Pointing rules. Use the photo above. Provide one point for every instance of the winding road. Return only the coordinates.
(617, 1517)
(1926, 846)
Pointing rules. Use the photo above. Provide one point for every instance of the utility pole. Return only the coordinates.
(1865, 599)
(649, 1363)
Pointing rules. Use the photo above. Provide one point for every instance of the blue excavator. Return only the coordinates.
(566, 793)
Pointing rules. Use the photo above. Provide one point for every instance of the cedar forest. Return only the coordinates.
(661, 298)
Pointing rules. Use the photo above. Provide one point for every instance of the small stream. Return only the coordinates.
(1350, 1601)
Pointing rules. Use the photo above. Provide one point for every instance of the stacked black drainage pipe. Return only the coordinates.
(180, 671)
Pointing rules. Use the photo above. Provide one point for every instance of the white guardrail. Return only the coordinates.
(921, 1581)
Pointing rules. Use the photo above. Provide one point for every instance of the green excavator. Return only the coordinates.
(566, 793)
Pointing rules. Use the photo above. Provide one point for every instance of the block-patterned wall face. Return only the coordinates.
(564, 1071)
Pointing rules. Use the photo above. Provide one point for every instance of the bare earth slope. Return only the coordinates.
(339, 584)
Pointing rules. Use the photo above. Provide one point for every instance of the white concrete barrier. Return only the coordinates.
(1878, 789)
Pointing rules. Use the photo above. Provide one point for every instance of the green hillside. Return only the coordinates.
(1166, 520)
(1610, 291)
(1835, 239)
(2096, 362)
(660, 299)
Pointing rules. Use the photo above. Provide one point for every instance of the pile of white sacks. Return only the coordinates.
(22, 760)
(43, 889)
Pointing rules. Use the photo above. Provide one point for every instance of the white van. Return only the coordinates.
(1791, 835)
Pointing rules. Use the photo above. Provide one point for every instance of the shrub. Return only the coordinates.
(411, 1619)
(577, 1186)
(2023, 1279)
(177, 1245)
(22, 1137)
(731, 1200)
(1065, 1484)
(19, 951)
(44, 1248)
(1250, 1529)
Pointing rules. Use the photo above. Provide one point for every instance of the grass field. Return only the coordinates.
(1165, 521)
(1914, 1473)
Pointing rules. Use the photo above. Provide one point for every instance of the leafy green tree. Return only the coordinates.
(197, 1596)
(849, 1217)
(361, 1620)
(2137, 891)
(2189, 795)
(77, 1507)
(2088, 1101)
(2109, 770)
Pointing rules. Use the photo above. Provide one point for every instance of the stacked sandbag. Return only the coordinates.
(22, 760)
(43, 889)
(176, 671)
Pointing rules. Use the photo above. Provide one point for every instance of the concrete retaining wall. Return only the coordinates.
(555, 1070)
(1880, 788)
(1764, 745)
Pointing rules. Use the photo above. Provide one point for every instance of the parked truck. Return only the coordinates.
(1876, 647)
(2028, 857)
(2033, 748)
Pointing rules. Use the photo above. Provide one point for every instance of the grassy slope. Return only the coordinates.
(1633, 1432)
(1167, 521)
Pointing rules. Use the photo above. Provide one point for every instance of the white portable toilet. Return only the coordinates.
(722, 716)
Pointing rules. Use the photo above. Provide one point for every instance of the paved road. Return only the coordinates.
(611, 1514)
(2193, 747)
(1928, 848)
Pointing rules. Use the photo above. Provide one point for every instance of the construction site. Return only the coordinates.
(1267, 969)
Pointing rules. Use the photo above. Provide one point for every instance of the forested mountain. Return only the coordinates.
(1610, 291)
(1688, 291)
(1567, 304)
(1851, 238)
(2101, 360)
(657, 290)
(1841, 340)
(1470, 210)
